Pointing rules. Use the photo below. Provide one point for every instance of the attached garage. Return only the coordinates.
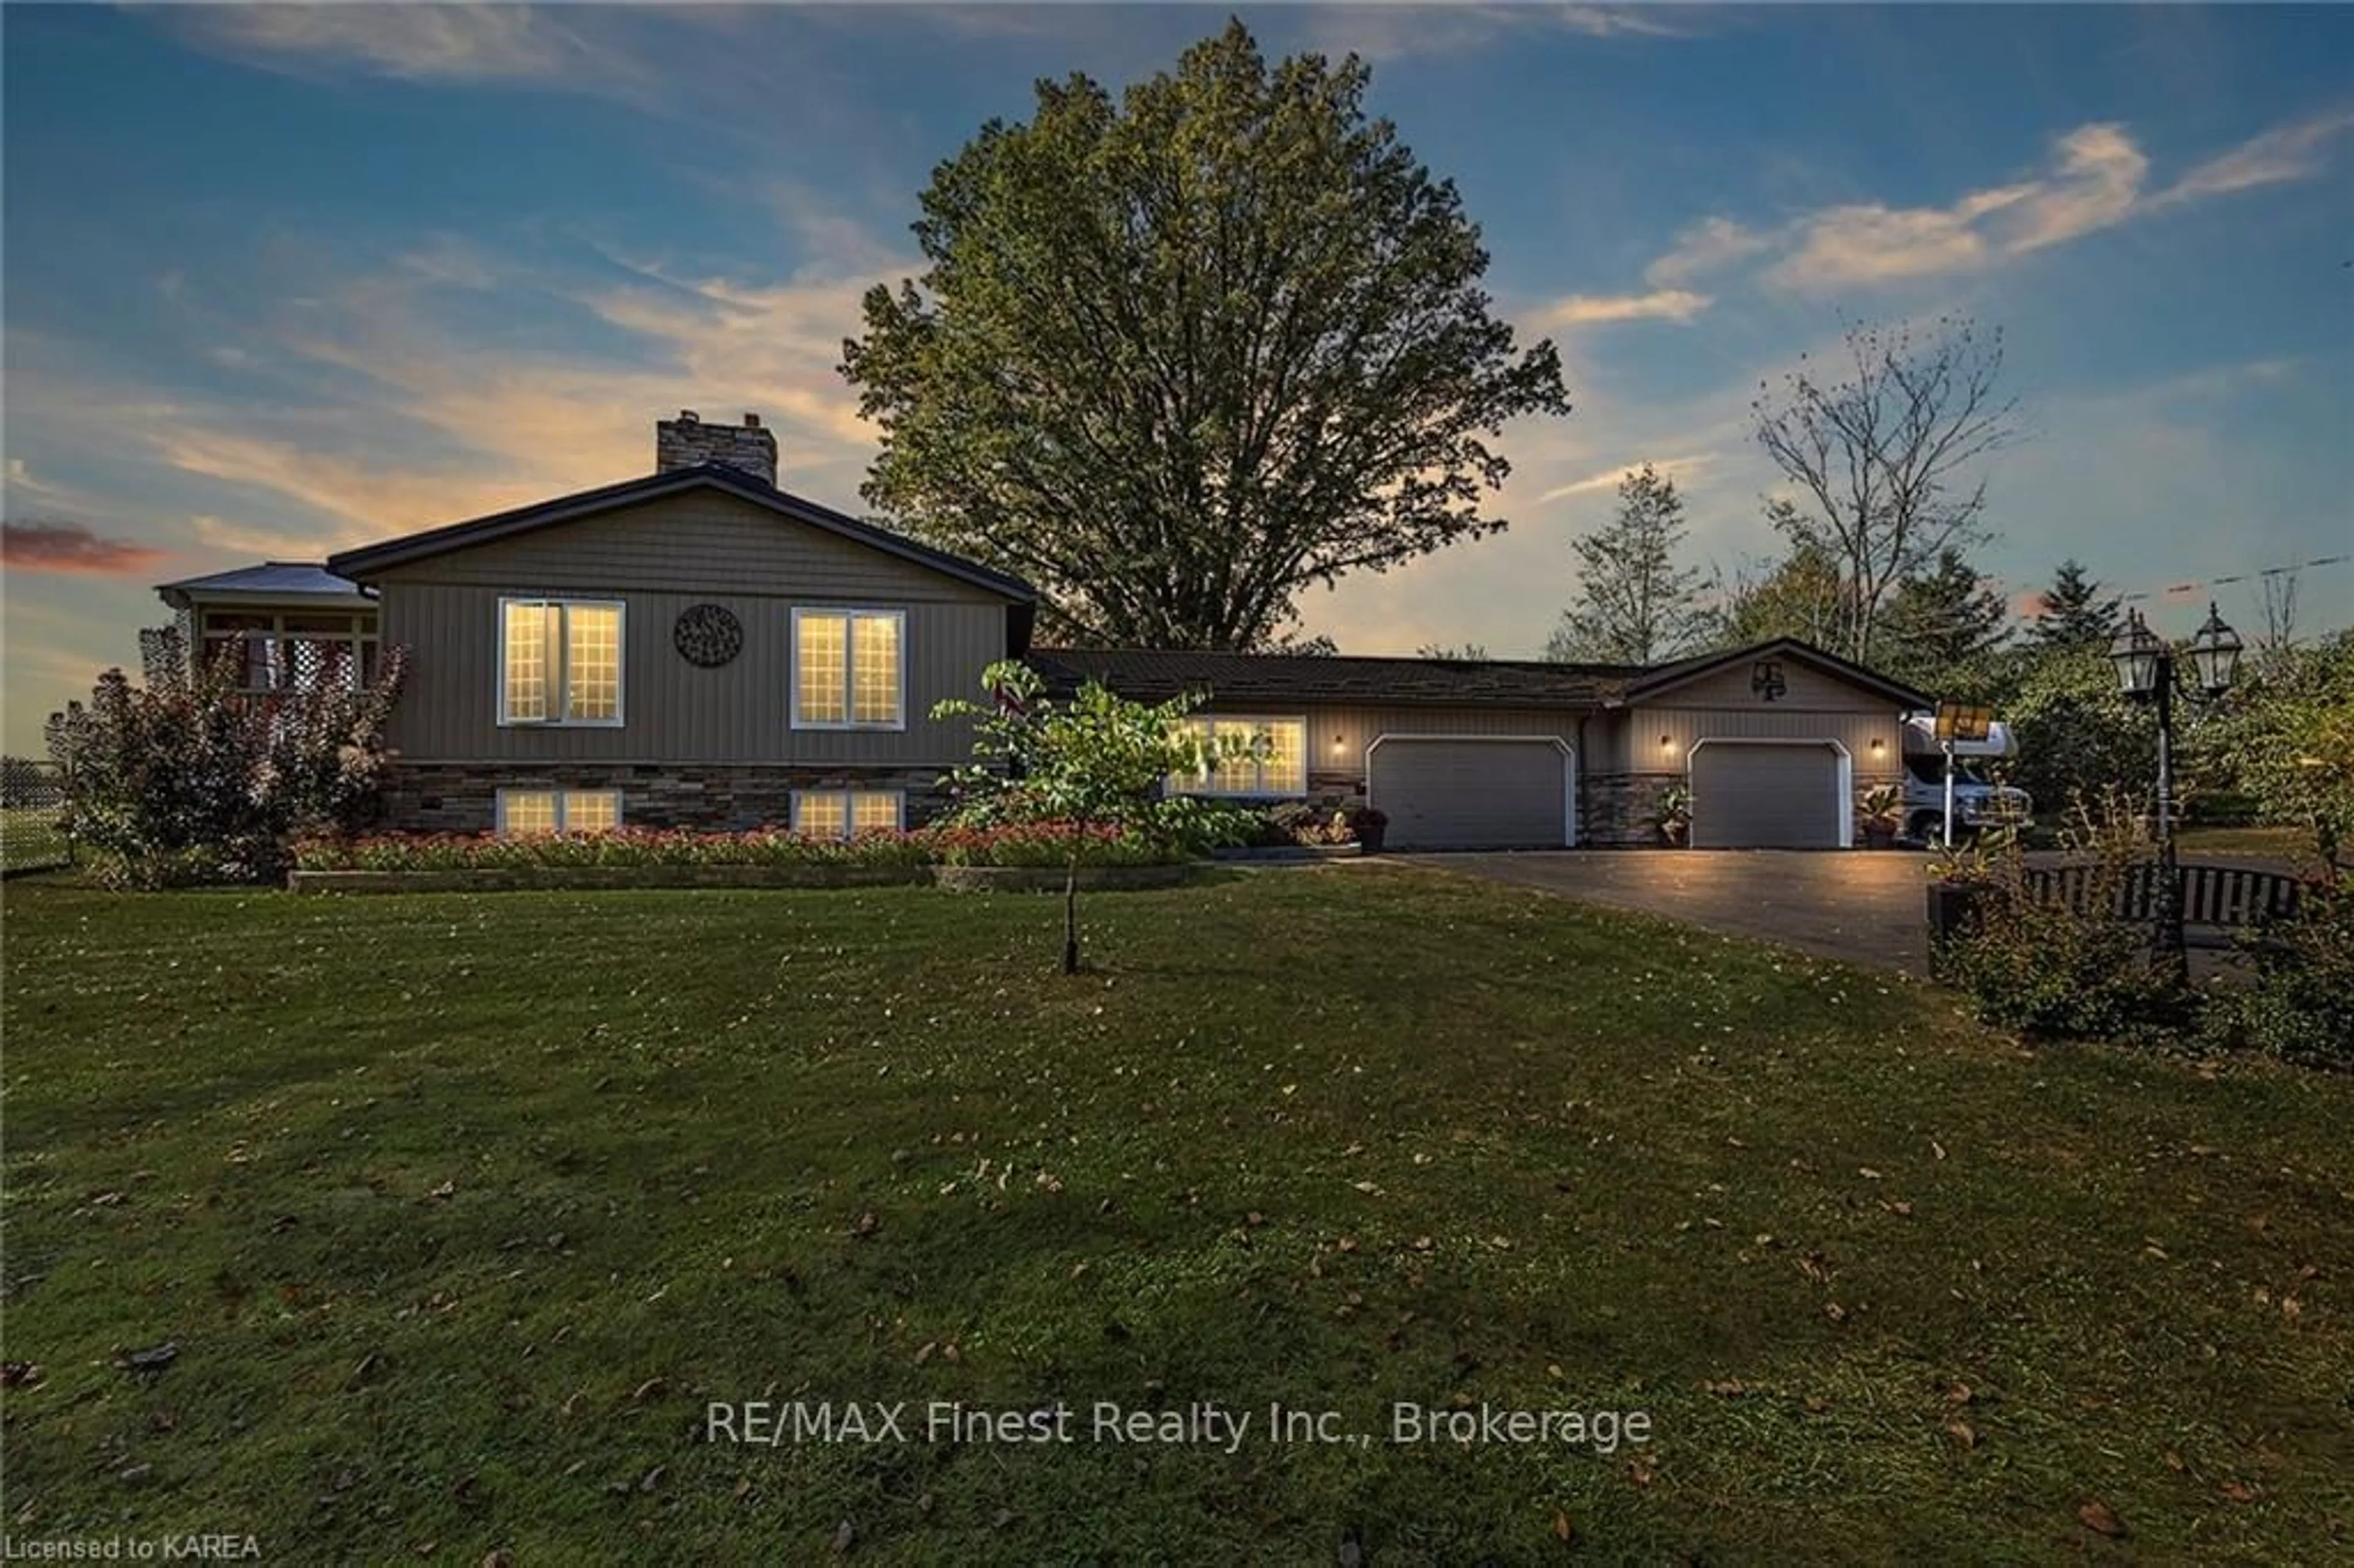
(1473, 792)
(1770, 794)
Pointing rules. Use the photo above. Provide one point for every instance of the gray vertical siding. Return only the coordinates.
(658, 559)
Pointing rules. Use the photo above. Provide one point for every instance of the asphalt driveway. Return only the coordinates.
(1866, 907)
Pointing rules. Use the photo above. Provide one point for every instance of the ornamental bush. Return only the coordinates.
(191, 779)
(2052, 971)
(2298, 1005)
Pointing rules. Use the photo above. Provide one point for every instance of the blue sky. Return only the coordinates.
(282, 279)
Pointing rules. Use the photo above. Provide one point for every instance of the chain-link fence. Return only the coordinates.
(32, 813)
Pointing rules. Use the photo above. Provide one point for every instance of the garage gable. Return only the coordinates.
(1784, 673)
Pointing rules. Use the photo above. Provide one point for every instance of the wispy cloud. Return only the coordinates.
(1661, 304)
(467, 43)
(1708, 246)
(2289, 153)
(1391, 31)
(2096, 177)
(50, 547)
(1678, 467)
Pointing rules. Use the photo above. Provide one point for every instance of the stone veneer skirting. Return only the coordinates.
(461, 797)
(1617, 810)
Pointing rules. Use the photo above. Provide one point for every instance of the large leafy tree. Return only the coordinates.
(2074, 612)
(1178, 356)
(1882, 451)
(1635, 605)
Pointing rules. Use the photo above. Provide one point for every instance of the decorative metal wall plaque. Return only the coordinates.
(709, 635)
(1765, 679)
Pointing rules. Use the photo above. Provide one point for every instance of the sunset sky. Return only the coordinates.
(284, 279)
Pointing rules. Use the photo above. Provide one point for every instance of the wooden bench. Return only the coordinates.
(2216, 900)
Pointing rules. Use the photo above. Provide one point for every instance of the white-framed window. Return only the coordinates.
(522, 813)
(850, 669)
(845, 813)
(559, 662)
(1263, 756)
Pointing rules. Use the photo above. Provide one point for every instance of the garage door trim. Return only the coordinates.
(1568, 769)
(1844, 781)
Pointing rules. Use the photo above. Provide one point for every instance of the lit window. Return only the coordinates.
(1248, 757)
(876, 810)
(847, 669)
(559, 662)
(843, 814)
(524, 812)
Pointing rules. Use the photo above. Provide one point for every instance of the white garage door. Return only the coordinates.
(1461, 793)
(1766, 797)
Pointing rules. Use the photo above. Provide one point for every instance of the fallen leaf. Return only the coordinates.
(2174, 1462)
(845, 1536)
(1959, 1393)
(1561, 1529)
(1964, 1432)
(2100, 1519)
(1728, 1388)
(150, 1361)
(1835, 1312)
(2238, 1491)
(866, 1226)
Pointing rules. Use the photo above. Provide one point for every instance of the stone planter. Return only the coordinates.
(1879, 836)
(1676, 835)
(1371, 837)
(509, 879)
(1052, 878)
(1292, 852)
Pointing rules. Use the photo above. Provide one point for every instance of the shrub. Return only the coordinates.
(2050, 970)
(207, 781)
(2298, 1006)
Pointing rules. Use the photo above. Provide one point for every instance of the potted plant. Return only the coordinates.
(1879, 810)
(1371, 823)
(1673, 817)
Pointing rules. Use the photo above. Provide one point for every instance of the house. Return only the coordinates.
(697, 648)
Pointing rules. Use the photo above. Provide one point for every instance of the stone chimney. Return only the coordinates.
(687, 443)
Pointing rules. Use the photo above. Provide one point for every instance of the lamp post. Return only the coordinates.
(2146, 671)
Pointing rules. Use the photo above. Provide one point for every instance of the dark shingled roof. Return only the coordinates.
(1151, 675)
(271, 577)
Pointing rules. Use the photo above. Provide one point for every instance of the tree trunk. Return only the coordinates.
(1071, 917)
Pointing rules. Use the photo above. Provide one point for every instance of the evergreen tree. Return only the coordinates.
(2074, 614)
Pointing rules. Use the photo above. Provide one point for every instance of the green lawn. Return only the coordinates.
(29, 837)
(2273, 843)
(462, 1210)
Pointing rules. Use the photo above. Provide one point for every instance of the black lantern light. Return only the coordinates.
(2215, 653)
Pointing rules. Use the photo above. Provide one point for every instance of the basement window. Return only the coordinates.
(846, 813)
(524, 814)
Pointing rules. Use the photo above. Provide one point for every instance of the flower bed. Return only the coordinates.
(654, 857)
(1028, 844)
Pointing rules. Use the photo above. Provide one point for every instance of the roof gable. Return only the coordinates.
(1664, 678)
(369, 559)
